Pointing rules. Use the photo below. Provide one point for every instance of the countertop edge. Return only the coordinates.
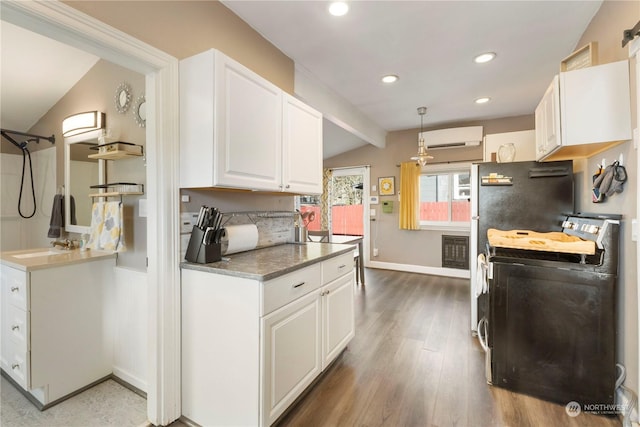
(30, 264)
(208, 268)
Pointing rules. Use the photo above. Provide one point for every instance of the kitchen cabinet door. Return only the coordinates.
(547, 119)
(302, 147)
(584, 112)
(291, 353)
(230, 125)
(338, 326)
(249, 131)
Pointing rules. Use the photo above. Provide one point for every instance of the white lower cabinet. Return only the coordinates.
(250, 348)
(339, 318)
(55, 334)
(292, 353)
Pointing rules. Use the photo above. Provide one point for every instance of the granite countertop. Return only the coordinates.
(268, 263)
(40, 258)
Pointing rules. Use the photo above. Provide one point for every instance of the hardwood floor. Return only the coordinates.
(413, 362)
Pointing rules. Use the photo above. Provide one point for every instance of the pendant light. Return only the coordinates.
(422, 156)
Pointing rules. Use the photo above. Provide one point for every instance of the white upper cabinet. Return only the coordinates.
(584, 112)
(302, 147)
(547, 118)
(238, 130)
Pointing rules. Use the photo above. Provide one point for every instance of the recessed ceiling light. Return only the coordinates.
(484, 57)
(338, 8)
(482, 100)
(390, 78)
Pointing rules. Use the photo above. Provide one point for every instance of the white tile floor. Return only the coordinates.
(107, 404)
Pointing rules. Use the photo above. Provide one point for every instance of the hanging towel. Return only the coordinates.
(57, 216)
(72, 208)
(112, 236)
(97, 223)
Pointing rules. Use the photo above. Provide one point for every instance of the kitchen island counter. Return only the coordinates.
(268, 263)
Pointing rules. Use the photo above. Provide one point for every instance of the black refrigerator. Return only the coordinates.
(508, 196)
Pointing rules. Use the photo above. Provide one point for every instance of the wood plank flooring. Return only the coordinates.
(413, 362)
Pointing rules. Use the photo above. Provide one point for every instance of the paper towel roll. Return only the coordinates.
(240, 238)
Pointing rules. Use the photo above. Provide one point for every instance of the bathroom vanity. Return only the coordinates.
(54, 325)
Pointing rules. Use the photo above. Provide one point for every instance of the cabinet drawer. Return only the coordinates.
(17, 364)
(336, 267)
(14, 286)
(282, 290)
(15, 327)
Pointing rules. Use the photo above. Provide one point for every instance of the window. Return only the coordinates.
(445, 199)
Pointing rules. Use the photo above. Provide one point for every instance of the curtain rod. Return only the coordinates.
(349, 167)
(6, 132)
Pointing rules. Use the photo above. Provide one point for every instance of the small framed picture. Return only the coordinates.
(373, 200)
(387, 186)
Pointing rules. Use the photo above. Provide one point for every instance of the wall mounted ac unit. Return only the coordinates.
(469, 136)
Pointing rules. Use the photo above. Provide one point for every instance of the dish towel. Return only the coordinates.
(97, 222)
(107, 232)
(57, 216)
(112, 235)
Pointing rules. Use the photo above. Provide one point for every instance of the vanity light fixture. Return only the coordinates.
(390, 78)
(422, 156)
(82, 123)
(338, 8)
(482, 100)
(484, 57)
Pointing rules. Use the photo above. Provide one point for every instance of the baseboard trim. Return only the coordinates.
(409, 268)
(130, 381)
(42, 407)
(39, 404)
(128, 385)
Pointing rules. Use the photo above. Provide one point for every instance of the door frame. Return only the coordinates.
(63, 23)
(365, 171)
(634, 55)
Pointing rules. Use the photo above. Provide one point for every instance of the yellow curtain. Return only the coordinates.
(409, 195)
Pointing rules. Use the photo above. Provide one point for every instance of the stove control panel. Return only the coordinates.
(588, 228)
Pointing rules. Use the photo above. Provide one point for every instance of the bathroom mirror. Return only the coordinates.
(80, 172)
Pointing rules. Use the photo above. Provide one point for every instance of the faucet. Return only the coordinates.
(65, 244)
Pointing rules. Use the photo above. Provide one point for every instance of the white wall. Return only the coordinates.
(131, 325)
(20, 233)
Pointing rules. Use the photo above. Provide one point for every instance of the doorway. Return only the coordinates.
(64, 23)
(343, 206)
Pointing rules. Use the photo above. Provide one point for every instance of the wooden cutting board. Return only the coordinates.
(549, 242)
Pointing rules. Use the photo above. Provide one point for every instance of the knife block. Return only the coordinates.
(200, 253)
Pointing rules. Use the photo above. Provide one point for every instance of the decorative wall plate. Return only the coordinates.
(386, 186)
(139, 111)
(123, 98)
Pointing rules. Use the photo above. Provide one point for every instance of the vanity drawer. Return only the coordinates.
(17, 364)
(15, 286)
(282, 290)
(16, 328)
(337, 267)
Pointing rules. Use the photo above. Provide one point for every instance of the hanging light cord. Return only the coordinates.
(25, 154)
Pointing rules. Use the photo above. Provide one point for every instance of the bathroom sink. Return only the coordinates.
(39, 254)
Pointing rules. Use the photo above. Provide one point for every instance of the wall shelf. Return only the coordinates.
(116, 194)
(116, 150)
